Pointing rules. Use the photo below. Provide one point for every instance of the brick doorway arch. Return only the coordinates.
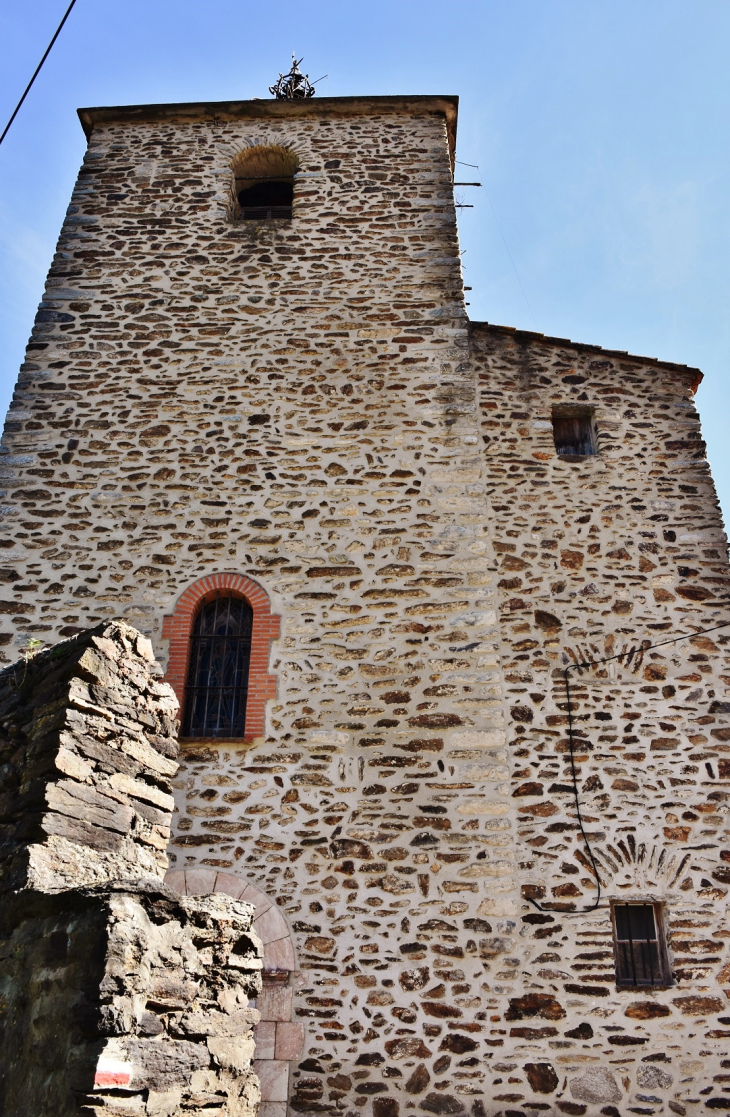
(278, 1039)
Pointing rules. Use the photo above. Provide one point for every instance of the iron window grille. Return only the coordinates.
(266, 199)
(639, 946)
(217, 683)
(573, 433)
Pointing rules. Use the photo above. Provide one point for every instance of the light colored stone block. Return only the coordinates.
(254, 896)
(273, 1074)
(270, 925)
(175, 878)
(264, 1035)
(274, 1002)
(199, 882)
(278, 955)
(272, 1109)
(289, 1040)
(230, 884)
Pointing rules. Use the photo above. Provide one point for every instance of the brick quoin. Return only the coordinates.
(177, 627)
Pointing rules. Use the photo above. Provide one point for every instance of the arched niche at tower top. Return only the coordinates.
(263, 183)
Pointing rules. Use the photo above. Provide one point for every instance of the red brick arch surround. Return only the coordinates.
(177, 627)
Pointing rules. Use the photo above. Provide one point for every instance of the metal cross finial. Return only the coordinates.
(294, 86)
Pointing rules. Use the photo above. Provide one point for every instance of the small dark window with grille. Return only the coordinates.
(263, 186)
(640, 950)
(217, 683)
(266, 199)
(573, 432)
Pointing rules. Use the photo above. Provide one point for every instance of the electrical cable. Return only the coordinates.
(644, 647)
(37, 71)
(514, 266)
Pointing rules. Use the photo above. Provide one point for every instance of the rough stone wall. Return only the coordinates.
(595, 557)
(127, 998)
(298, 404)
(116, 995)
(87, 750)
(191, 383)
(294, 403)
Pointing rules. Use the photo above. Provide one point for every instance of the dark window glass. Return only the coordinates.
(639, 950)
(217, 684)
(573, 434)
(268, 198)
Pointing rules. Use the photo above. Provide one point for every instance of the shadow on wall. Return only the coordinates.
(278, 1040)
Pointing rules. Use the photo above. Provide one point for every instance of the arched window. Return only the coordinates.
(264, 183)
(180, 628)
(217, 680)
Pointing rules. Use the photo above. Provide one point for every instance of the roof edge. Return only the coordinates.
(694, 374)
(446, 104)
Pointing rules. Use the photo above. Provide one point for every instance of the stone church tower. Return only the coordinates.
(367, 537)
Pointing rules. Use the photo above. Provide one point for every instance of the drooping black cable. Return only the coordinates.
(574, 781)
(644, 647)
(37, 71)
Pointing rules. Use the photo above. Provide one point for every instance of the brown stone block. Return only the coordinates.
(547, 621)
(533, 1033)
(441, 1011)
(407, 1048)
(571, 560)
(385, 1107)
(542, 1077)
(540, 810)
(664, 744)
(586, 990)
(535, 1004)
(647, 1010)
(442, 1104)
(698, 1006)
(530, 788)
(418, 1081)
(677, 833)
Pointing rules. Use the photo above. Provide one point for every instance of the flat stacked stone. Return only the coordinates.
(119, 996)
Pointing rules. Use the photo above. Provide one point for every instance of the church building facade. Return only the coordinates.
(434, 596)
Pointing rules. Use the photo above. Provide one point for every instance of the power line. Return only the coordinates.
(504, 240)
(37, 71)
(475, 166)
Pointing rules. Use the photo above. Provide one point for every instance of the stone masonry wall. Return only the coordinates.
(596, 557)
(300, 405)
(125, 998)
(116, 994)
(87, 751)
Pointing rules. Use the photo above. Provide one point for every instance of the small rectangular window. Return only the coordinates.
(573, 432)
(640, 951)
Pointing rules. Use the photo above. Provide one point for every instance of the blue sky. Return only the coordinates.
(600, 129)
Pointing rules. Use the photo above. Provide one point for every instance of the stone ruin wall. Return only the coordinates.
(300, 405)
(118, 996)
